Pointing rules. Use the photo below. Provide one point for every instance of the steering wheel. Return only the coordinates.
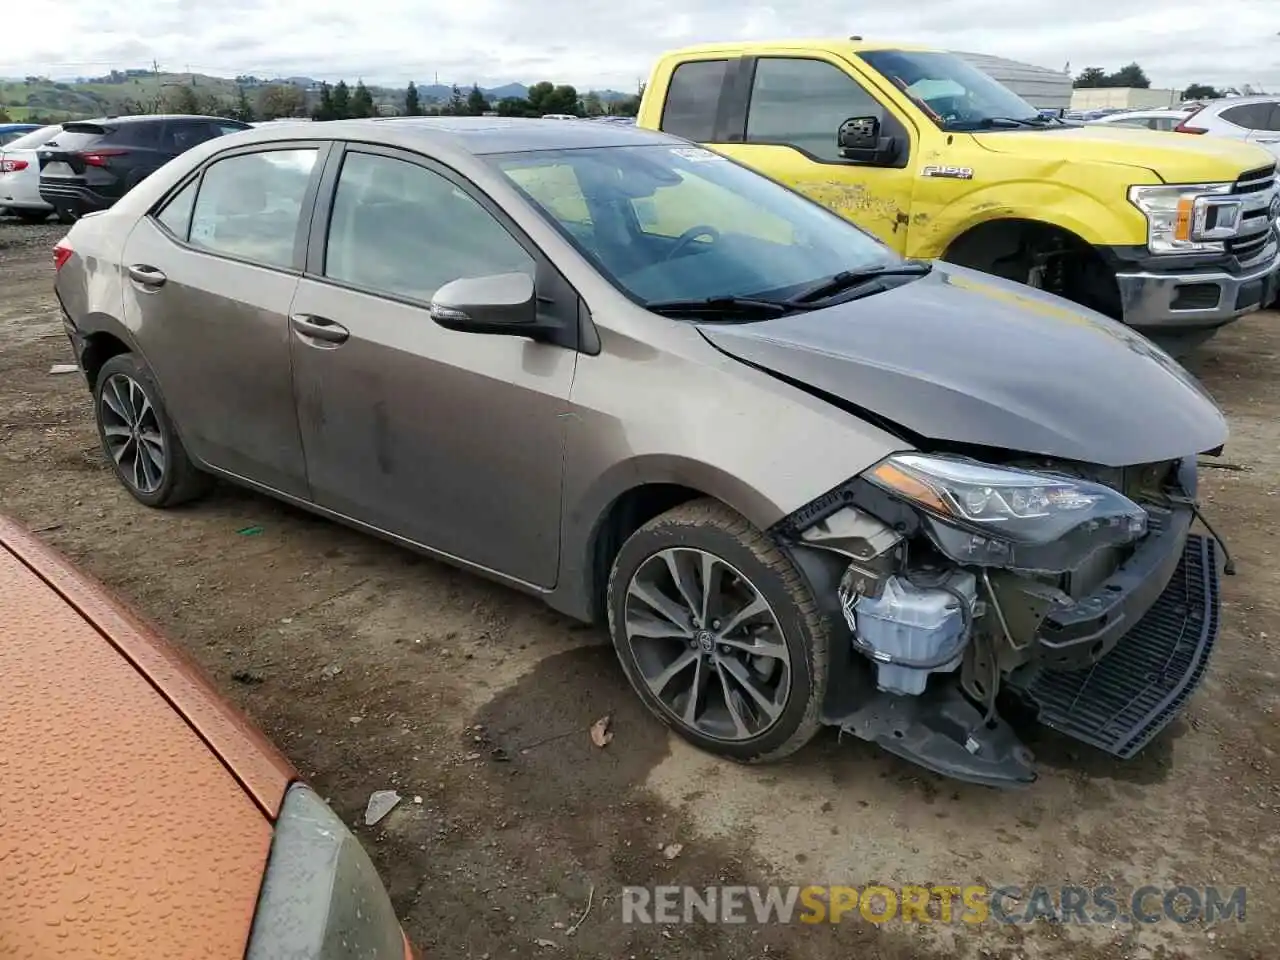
(690, 235)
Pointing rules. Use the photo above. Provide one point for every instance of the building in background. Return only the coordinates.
(1041, 87)
(1123, 98)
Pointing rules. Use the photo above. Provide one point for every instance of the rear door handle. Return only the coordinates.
(319, 328)
(146, 275)
(1268, 140)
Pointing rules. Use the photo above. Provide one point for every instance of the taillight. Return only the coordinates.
(98, 158)
(61, 253)
(12, 166)
(1184, 126)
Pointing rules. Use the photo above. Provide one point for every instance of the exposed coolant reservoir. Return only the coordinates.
(912, 631)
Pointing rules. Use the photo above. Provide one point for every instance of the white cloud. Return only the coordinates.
(599, 43)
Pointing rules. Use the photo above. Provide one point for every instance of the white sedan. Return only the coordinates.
(20, 175)
(1146, 119)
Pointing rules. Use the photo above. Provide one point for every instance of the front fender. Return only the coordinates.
(693, 417)
(1064, 205)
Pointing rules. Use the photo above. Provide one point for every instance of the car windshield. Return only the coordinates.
(954, 94)
(671, 222)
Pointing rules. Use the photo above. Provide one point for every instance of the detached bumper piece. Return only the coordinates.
(1121, 702)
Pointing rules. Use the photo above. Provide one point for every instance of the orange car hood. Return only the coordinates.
(136, 807)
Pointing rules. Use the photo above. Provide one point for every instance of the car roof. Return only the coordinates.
(1223, 102)
(845, 44)
(473, 135)
(10, 127)
(151, 117)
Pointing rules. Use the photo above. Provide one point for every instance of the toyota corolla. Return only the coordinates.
(804, 482)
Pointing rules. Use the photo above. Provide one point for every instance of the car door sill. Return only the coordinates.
(449, 558)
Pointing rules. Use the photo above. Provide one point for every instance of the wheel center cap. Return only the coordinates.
(706, 640)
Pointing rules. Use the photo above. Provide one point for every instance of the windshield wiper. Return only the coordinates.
(846, 279)
(999, 123)
(720, 306)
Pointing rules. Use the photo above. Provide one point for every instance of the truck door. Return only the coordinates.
(782, 115)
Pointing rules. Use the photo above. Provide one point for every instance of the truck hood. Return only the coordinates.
(1173, 157)
(959, 357)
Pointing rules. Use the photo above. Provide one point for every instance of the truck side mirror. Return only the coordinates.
(859, 140)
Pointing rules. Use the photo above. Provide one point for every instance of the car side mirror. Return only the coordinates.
(860, 140)
(503, 303)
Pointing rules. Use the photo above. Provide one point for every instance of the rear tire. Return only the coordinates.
(141, 444)
(754, 685)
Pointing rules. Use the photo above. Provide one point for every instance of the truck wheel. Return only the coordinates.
(719, 633)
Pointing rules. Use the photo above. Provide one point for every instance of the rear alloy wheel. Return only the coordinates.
(138, 437)
(718, 633)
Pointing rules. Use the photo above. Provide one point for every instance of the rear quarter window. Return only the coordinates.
(693, 97)
(1251, 116)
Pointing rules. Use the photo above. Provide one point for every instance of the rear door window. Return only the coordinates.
(181, 135)
(249, 205)
(1250, 116)
(693, 98)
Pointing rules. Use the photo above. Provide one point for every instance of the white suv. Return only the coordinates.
(1255, 119)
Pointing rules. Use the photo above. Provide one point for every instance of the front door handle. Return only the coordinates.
(319, 328)
(146, 275)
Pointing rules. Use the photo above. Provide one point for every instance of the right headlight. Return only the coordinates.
(1188, 218)
(322, 897)
(1002, 517)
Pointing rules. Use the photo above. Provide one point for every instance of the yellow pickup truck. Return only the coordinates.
(1174, 234)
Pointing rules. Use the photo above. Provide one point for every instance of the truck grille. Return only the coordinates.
(1256, 234)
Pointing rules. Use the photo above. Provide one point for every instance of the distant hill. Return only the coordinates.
(138, 90)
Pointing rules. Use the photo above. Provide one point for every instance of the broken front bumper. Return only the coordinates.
(1113, 671)
(1123, 700)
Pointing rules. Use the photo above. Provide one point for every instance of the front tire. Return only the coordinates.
(139, 439)
(31, 216)
(719, 633)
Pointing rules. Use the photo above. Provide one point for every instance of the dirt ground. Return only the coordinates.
(374, 668)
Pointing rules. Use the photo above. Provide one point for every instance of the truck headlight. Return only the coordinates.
(1188, 218)
(321, 896)
(1000, 517)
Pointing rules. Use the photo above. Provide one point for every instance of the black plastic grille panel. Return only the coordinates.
(1130, 695)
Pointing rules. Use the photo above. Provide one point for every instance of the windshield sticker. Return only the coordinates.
(694, 154)
(948, 173)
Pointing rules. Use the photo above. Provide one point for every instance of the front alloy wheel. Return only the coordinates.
(707, 644)
(718, 632)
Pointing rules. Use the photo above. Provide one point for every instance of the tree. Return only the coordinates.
(477, 105)
(1129, 76)
(457, 105)
(324, 109)
(362, 101)
(280, 100)
(1200, 91)
(181, 99)
(5, 118)
(1091, 77)
(243, 110)
(537, 97)
(341, 101)
(592, 105)
(412, 108)
(514, 107)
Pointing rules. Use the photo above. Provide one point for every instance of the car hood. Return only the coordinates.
(959, 357)
(119, 816)
(1174, 157)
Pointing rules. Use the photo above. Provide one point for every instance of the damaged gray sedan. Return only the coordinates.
(803, 481)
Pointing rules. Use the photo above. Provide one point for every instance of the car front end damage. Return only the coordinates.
(967, 594)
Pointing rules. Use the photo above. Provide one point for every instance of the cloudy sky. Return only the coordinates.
(609, 43)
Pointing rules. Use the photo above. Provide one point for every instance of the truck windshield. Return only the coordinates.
(677, 223)
(954, 94)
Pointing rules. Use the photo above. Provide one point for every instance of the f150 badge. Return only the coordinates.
(948, 173)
